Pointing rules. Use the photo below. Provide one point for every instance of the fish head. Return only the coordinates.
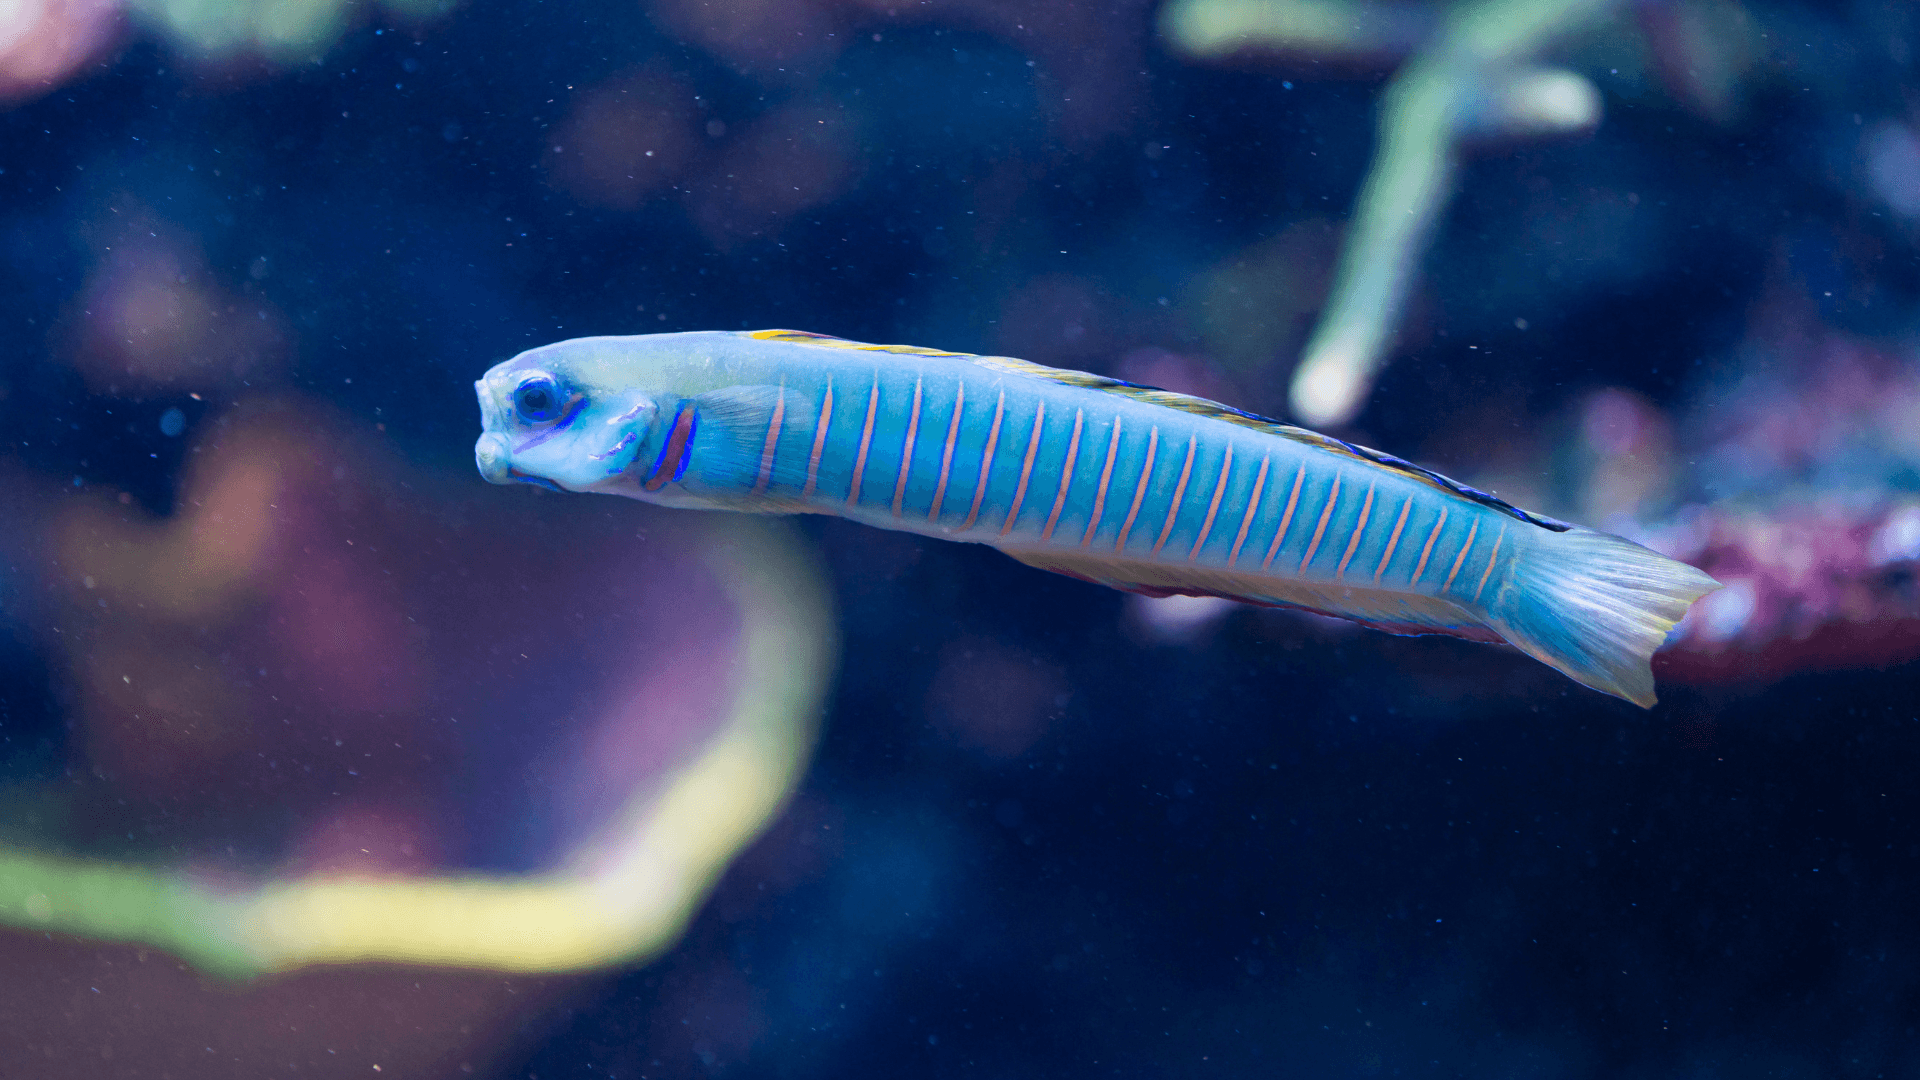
(561, 418)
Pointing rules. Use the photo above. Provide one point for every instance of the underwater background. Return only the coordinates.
(320, 757)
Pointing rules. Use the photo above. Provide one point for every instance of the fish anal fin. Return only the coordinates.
(1392, 612)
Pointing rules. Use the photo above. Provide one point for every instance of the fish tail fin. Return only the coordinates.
(1595, 607)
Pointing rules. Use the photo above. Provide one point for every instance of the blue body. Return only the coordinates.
(1344, 511)
(1131, 487)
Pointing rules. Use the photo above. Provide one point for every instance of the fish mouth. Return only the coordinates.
(495, 459)
(518, 477)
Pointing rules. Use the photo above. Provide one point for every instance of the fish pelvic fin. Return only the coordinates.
(1595, 607)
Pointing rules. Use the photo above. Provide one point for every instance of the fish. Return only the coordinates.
(1123, 485)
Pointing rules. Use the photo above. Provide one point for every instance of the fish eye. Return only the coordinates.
(537, 400)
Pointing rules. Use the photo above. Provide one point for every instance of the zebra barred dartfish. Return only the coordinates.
(1127, 486)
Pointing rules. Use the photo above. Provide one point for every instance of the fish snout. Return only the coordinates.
(494, 457)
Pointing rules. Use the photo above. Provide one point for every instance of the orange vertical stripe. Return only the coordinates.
(946, 455)
(1462, 557)
(1026, 469)
(674, 454)
(1139, 488)
(1421, 567)
(1100, 493)
(1286, 517)
(1179, 490)
(819, 441)
(1320, 530)
(1393, 540)
(1220, 489)
(906, 449)
(986, 461)
(866, 441)
(1482, 587)
(1066, 476)
(1353, 544)
(1253, 507)
(773, 441)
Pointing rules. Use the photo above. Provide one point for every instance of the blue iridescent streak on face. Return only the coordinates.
(614, 452)
(666, 444)
(536, 481)
(686, 452)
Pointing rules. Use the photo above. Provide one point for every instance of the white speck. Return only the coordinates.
(1724, 614)
(1898, 540)
(1893, 167)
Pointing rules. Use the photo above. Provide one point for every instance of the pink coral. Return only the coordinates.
(1808, 586)
(1809, 518)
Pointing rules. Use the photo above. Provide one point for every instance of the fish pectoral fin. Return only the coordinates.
(1381, 609)
(744, 425)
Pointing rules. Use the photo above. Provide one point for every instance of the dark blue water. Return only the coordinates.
(1040, 838)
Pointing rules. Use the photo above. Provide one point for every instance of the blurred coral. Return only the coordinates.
(1257, 304)
(286, 31)
(627, 139)
(1812, 586)
(1472, 76)
(644, 135)
(1623, 448)
(1089, 54)
(795, 157)
(1475, 79)
(764, 36)
(1809, 469)
(168, 1020)
(1702, 51)
(42, 42)
(154, 315)
(355, 684)
(1795, 482)
(1363, 33)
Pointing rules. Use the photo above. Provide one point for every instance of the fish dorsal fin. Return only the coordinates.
(1186, 403)
(828, 341)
